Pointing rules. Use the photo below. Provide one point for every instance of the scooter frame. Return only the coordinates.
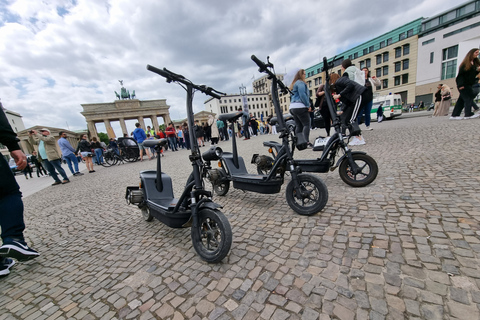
(297, 194)
(185, 211)
(349, 169)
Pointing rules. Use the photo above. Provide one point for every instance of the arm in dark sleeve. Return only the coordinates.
(7, 135)
(348, 85)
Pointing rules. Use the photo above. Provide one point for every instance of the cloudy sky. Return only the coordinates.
(58, 54)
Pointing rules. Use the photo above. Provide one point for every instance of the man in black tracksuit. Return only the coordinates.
(11, 204)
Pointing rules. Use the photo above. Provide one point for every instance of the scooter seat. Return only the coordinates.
(153, 142)
(230, 117)
(273, 144)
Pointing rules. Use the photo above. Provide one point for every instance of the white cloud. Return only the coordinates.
(58, 54)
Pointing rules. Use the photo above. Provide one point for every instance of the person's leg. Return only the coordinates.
(38, 170)
(457, 110)
(89, 164)
(467, 96)
(302, 121)
(68, 159)
(326, 119)
(368, 113)
(51, 170)
(44, 170)
(58, 165)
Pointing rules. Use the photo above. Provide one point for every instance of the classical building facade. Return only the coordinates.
(258, 104)
(121, 110)
(443, 42)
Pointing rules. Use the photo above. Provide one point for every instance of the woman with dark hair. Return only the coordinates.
(371, 83)
(321, 102)
(300, 105)
(85, 149)
(466, 78)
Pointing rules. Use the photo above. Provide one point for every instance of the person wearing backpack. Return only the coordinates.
(355, 95)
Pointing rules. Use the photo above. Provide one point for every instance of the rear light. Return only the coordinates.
(392, 110)
(220, 164)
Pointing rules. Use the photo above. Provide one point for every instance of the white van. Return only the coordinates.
(392, 106)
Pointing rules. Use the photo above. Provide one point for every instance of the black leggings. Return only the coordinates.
(327, 118)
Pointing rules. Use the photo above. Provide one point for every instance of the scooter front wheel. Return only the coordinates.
(366, 173)
(212, 238)
(312, 198)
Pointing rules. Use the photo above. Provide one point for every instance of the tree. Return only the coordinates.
(103, 137)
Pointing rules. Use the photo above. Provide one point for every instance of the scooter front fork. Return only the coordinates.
(352, 163)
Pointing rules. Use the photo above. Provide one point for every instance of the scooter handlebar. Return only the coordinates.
(171, 76)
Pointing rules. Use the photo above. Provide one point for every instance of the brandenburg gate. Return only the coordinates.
(122, 110)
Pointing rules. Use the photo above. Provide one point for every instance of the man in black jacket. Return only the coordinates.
(11, 204)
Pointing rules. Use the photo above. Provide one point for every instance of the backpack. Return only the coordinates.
(359, 77)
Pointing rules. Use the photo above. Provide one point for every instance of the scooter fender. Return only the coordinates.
(203, 204)
(344, 156)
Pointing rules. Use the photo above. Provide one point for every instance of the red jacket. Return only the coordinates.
(170, 132)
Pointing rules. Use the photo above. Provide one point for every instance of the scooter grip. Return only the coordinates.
(158, 71)
(259, 63)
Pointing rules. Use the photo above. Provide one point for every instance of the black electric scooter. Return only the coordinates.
(356, 168)
(210, 230)
(305, 193)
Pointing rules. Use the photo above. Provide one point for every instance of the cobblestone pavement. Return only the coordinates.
(405, 247)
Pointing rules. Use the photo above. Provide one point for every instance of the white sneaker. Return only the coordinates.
(473, 116)
(368, 128)
(360, 142)
(354, 141)
(456, 118)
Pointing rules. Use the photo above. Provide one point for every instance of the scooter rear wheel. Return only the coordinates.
(146, 214)
(366, 175)
(212, 238)
(313, 197)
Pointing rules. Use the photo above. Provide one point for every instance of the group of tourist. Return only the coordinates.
(356, 98)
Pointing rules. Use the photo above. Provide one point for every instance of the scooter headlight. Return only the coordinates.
(214, 153)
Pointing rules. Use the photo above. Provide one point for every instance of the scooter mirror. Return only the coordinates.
(212, 154)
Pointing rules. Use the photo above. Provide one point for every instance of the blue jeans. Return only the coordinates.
(72, 158)
(367, 109)
(55, 164)
(173, 143)
(11, 204)
(99, 155)
(302, 121)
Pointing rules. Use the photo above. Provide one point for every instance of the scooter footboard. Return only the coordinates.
(313, 165)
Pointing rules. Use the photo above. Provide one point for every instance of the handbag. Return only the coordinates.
(476, 89)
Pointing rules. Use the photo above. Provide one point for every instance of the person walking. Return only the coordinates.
(300, 105)
(186, 135)
(11, 205)
(140, 136)
(28, 170)
(438, 99)
(85, 149)
(445, 103)
(198, 129)
(213, 130)
(172, 137)
(68, 153)
(97, 148)
(36, 160)
(466, 78)
(47, 148)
